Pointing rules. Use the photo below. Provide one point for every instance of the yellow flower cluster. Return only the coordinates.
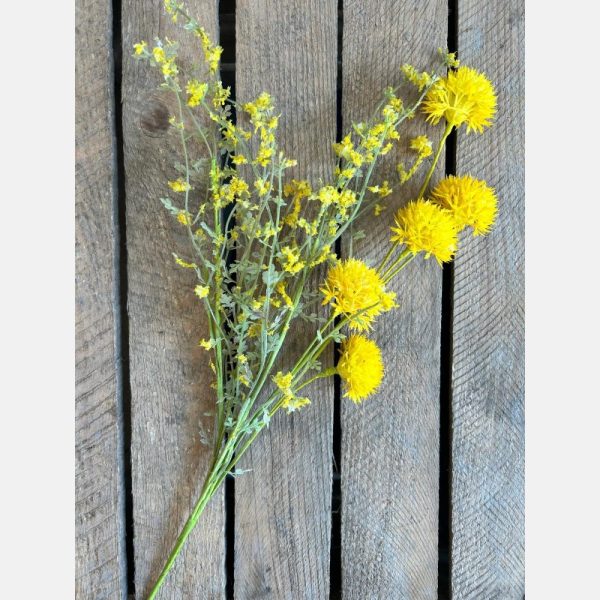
(422, 146)
(356, 291)
(360, 366)
(236, 189)
(212, 53)
(419, 80)
(297, 191)
(463, 96)
(290, 400)
(291, 261)
(179, 185)
(164, 61)
(196, 92)
(425, 227)
(471, 201)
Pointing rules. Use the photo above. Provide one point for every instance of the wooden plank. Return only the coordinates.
(169, 373)
(488, 361)
(99, 550)
(283, 507)
(390, 444)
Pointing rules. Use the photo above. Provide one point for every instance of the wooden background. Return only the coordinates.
(418, 493)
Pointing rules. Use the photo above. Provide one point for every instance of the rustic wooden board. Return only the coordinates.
(99, 550)
(488, 361)
(283, 507)
(390, 444)
(170, 376)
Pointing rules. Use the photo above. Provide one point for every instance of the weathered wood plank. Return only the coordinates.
(488, 360)
(283, 507)
(390, 444)
(99, 551)
(169, 373)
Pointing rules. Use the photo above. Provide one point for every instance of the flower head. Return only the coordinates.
(464, 96)
(471, 201)
(426, 227)
(360, 367)
(357, 291)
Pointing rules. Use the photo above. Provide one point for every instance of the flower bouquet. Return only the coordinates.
(257, 236)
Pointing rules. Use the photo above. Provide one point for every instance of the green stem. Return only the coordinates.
(208, 491)
(435, 160)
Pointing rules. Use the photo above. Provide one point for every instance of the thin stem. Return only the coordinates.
(435, 161)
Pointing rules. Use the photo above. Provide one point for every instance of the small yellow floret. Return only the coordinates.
(140, 48)
(179, 185)
(360, 367)
(356, 291)
(290, 401)
(196, 91)
(207, 344)
(464, 96)
(426, 227)
(201, 291)
(471, 201)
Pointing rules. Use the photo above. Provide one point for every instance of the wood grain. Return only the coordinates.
(488, 361)
(170, 376)
(283, 506)
(99, 549)
(390, 443)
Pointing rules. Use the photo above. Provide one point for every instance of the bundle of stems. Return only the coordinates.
(256, 235)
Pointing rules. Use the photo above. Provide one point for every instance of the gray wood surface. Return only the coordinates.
(283, 506)
(170, 375)
(488, 361)
(99, 551)
(390, 443)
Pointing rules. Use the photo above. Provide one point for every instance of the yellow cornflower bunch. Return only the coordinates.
(257, 235)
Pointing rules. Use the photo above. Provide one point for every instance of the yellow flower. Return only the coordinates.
(139, 48)
(201, 291)
(212, 56)
(159, 54)
(169, 68)
(383, 190)
(184, 217)
(425, 227)
(351, 287)
(421, 145)
(471, 201)
(183, 263)
(291, 263)
(284, 295)
(464, 96)
(420, 80)
(360, 367)
(196, 91)
(262, 186)
(207, 344)
(179, 185)
(290, 401)
(328, 195)
(239, 159)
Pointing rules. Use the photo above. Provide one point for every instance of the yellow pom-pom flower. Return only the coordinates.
(360, 367)
(464, 96)
(426, 227)
(471, 201)
(351, 287)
